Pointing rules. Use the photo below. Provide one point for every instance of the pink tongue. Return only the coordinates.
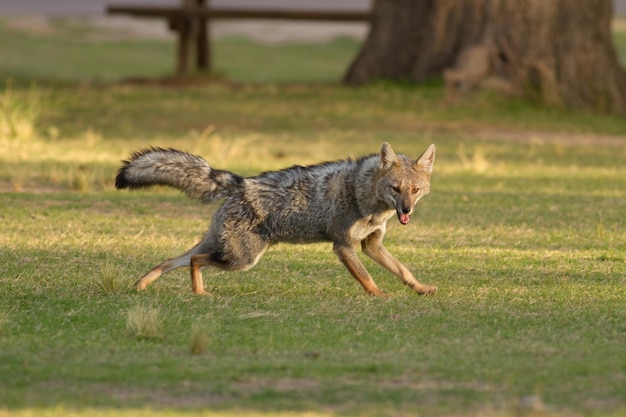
(404, 218)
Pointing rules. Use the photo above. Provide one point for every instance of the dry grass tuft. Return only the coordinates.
(108, 281)
(144, 322)
(199, 339)
(19, 113)
(476, 161)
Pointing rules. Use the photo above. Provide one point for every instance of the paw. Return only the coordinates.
(426, 290)
(377, 293)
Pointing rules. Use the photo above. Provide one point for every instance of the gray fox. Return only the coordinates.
(346, 202)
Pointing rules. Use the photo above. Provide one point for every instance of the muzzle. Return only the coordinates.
(404, 214)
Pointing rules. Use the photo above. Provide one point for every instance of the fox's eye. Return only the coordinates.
(395, 188)
(415, 190)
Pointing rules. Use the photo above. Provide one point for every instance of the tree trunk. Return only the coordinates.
(558, 51)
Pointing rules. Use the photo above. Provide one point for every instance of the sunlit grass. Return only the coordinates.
(20, 112)
(529, 267)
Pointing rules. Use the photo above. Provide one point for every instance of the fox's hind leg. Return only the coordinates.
(227, 254)
(230, 245)
(165, 267)
(240, 260)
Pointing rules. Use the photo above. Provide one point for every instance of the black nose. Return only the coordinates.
(406, 210)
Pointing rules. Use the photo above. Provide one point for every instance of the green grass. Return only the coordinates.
(284, 64)
(523, 233)
(80, 52)
(68, 54)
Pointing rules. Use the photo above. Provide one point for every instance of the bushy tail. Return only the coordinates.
(181, 170)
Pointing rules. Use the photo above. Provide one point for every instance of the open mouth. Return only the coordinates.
(404, 218)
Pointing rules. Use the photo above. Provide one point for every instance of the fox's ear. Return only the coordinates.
(388, 157)
(426, 161)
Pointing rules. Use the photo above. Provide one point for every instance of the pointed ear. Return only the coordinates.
(388, 157)
(426, 161)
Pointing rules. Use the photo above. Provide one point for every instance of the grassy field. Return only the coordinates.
(523, 233)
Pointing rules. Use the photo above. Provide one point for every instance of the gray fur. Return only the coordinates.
(347, 202)
(181, 170)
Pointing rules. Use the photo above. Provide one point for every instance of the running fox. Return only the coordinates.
(346, 202)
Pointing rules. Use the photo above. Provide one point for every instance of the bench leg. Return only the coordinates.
(203, 46)
(203, 38)
(184, 41)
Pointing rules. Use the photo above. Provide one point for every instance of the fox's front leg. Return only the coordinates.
(347, 255)
(374, 248)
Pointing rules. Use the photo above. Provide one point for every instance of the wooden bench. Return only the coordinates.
(192, 18)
